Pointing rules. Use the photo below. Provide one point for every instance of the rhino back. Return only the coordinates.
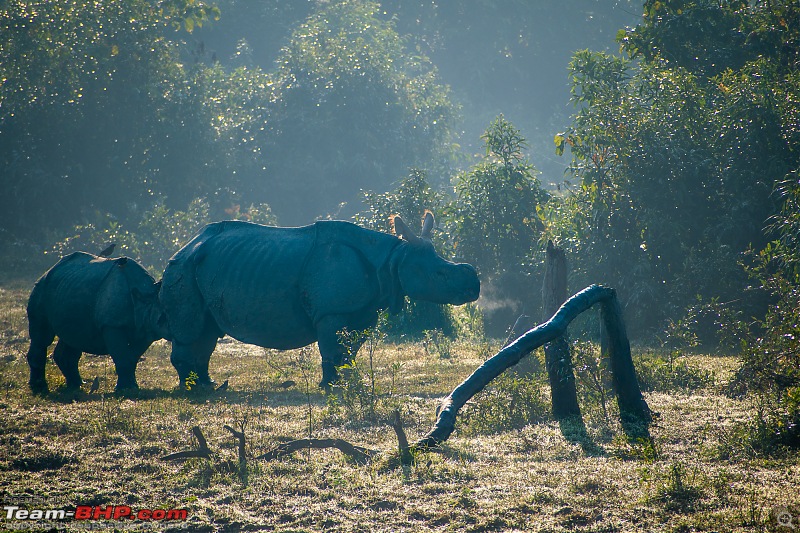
(247, 277)
(115, 305)
(67, 296)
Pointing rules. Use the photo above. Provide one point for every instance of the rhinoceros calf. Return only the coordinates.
(288, 287)
(94, 305)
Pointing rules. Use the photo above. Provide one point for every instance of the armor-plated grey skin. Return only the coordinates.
(285, 288)
(94, 305)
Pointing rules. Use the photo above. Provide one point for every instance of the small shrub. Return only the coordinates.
(678, 489)
(437, 343)
(509, 402)
(672, 373)
(358, 390)
(773, 427)
(417, 317)
(592, 375)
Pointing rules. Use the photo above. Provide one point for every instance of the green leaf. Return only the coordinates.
(559, 141)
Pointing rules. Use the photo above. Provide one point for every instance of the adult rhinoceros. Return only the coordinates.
(95, 305)
(288, 287)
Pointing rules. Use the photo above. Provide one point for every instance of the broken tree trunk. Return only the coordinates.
(629, 397)
(558, 360)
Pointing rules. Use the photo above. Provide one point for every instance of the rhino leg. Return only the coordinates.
(194, 357)
(334, 351)
(67, 357)
(125, 357)
(41, 336)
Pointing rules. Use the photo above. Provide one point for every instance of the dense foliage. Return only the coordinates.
(684, 164)
(354, 109)
(105, 109)
(96, 111)
(674, 163)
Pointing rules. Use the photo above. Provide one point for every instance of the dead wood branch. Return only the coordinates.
(402, 441)
(239, 436)
(358, 454)
(629, 397)
(202, 451)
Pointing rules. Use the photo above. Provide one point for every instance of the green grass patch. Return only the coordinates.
(508, 467)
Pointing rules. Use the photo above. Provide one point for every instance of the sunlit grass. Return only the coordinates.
(75, 448)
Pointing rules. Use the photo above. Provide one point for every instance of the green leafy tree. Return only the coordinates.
(353, 108)
(674, 163)
(96, 111)
(493, 219)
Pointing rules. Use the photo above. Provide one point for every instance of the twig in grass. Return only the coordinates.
(202, 451)
(358, 454)
(239, 435)
(402, 441)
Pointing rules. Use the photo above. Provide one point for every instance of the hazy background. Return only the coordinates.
(655, 141)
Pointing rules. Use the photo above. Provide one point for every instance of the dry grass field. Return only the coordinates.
(508, 467)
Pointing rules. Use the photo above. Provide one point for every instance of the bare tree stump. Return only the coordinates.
(402, 441)
(558, 359)
(240, 442)
(630, 399)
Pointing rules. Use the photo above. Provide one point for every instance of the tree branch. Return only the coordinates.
(631, 401)
(202, 451)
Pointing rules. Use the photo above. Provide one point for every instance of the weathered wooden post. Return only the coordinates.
(558, 360)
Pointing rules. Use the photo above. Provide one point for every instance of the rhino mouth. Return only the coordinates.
(465, 298)
(468, 295)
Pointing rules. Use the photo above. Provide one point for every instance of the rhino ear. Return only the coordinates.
(427, 226)
(401, 230)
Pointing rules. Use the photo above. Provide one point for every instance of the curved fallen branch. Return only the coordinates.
(358, 454)
(202, 451)
(629, 396)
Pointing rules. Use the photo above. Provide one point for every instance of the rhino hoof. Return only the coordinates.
(126, 392)
(38, 386)
(74, 385)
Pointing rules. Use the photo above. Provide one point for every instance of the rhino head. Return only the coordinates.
(149, 317)
(424, 275)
